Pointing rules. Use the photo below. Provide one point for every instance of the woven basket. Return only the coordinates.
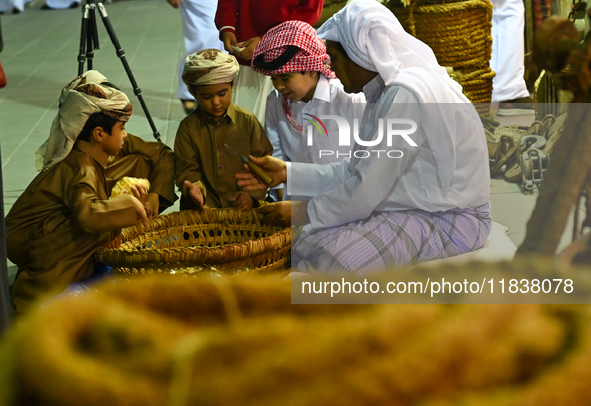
(224, 240)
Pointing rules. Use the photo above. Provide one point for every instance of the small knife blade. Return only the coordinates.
(253, 167)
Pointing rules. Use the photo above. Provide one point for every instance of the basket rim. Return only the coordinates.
(206, 216)
(193, 255)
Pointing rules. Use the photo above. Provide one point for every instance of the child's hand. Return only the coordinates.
(141, 193)
(241, 201)
(195, 194)
(154, 201)
(140, 211)
(149, 209)
(275, 168)
(229, 40)
(249, 47)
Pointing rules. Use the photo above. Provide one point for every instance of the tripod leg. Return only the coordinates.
(92, 41)
(89, 50)
(121, 54)
(82, 52)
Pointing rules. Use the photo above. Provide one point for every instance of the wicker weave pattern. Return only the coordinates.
(228, 240)
(460, 35)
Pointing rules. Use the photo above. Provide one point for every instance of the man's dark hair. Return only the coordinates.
(97, 120)
(340, 49)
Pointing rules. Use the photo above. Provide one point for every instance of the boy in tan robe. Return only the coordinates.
(205, 166)
(137, 158)
(65, 214)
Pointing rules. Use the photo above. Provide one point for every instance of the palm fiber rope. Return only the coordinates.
(174, 341)
(459, 33)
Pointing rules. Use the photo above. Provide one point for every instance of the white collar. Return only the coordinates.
(322, 91)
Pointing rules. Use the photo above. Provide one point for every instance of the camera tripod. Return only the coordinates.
(89, 42)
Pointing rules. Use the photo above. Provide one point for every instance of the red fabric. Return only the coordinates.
(287, 110)
(311, 57)
(253, 18)
(2, 77)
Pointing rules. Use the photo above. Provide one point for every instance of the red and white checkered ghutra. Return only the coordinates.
(310, 57)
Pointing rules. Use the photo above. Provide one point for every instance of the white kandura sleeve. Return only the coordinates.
(304, 181)
(372, 180)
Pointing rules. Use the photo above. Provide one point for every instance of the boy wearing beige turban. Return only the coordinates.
(137, 158)
(205, 166)
(65, 214)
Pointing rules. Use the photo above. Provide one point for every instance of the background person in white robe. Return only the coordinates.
(366, 214)
(60, 4)
(16, 6)
(199, 32)
(508, 57)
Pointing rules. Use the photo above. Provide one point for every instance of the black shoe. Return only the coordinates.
(46, 7)
(74, 5)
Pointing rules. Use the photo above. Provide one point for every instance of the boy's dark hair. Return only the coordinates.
(97, 120)
(193, 88)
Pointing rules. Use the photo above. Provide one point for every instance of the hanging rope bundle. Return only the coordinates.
(459, 32)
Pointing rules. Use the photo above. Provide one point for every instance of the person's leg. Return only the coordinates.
(508, 50)
(199, 33)
(16, 6)
(6, 5)
(391, 239)
(60, 4)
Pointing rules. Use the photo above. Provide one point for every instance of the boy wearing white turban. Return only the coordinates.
(205, 167)
(397, 200)
(65, 214)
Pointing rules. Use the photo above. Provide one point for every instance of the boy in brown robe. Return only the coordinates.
(137, 158)
(65, 214)
(205, 166)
